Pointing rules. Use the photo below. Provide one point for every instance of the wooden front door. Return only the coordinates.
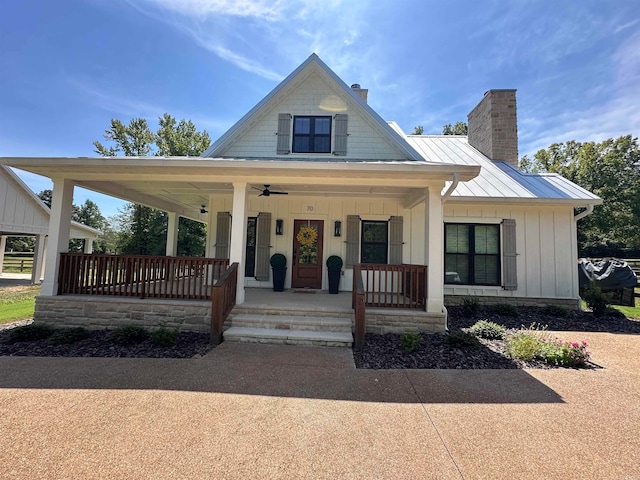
(307, 254)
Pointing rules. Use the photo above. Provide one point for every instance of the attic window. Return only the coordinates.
(311, 134)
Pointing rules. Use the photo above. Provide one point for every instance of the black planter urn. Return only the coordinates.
(278, 268)
(334, 268)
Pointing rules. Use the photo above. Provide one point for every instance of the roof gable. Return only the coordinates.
(24, 213)
(313, 89)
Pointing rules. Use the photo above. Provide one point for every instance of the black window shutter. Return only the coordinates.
(223, 230)
(340, 147)
(510, 281)
(284, 134)
(263, 246)
(395, 241)
(353, 240)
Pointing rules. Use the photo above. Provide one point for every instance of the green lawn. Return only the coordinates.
(17, 303)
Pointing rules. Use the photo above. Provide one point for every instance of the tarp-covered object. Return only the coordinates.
(609, 274)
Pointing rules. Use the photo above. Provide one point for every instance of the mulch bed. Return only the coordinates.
(386, 352)
(188, 345)
(380, 352)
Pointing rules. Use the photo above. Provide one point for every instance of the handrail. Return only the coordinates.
(395, 286)
(223, 299)
(142, 276)
(359, 304)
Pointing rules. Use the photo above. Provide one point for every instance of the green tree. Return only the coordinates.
(143, 230)
(611, 170)
(45, 196)
(460, 128)
(419, 130)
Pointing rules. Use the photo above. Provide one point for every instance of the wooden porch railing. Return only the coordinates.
(223, 299)
(394, 286)
(139, 275)
(359, 305)
(386, 286)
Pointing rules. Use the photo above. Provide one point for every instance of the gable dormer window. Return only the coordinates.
(311, 134)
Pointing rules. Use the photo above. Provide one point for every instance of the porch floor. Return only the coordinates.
(297, 299)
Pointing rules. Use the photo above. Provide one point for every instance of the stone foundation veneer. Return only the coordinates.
(108, 312)
(571, 303)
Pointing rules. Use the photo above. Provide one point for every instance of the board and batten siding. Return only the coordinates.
(306, 99)
(545, 244)
(290, 208)
(19, 212)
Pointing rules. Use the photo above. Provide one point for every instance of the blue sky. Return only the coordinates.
(68, 67)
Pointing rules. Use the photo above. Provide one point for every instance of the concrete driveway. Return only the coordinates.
(257, 411)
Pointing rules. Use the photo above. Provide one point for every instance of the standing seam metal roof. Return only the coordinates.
(497, 179)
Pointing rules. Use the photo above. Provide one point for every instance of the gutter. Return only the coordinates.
(452, 187)
(581, 215)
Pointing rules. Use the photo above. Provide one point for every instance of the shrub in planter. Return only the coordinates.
(279, 268)
(334, 267)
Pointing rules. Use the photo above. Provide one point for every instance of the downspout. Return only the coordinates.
(445, 197)
(452, 187)
(581, 215)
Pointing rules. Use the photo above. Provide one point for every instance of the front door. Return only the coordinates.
(307, 254)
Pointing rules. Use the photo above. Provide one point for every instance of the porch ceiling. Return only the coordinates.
(183, 184)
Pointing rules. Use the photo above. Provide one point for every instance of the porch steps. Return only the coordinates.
(290, 330)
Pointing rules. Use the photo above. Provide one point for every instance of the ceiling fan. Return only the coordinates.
(266, 192)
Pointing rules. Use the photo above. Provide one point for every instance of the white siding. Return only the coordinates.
(318, 208)
(547, 253)
(306, 99)
(19, 212)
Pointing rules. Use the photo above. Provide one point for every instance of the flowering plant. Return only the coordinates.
(568, 354)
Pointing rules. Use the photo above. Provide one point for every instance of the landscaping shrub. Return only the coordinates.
(460, 339)
(410, 341)
(536, 344)
(555, 311)
(67, 336)
(28, 333)
(165, 337)
(525, 346)
(487, 329)
(596, 300)
(566, 354)
(128, 335)
(470, 305)
(505, 310)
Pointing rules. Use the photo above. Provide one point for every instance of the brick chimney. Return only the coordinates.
(493, 126)
(363, 93)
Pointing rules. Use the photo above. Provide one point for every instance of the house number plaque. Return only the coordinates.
(310, 208)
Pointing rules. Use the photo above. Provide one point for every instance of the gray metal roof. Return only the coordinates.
(497, 179)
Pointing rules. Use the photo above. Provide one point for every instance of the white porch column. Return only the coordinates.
(237, 251)
(172, 235)
(59, 226)
(88, 245)
(38, 259)
(434, 246)
(3, 245)
(210, 249)
(44, 255)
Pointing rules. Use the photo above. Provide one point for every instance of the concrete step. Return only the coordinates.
(288, 337)
(291, 322)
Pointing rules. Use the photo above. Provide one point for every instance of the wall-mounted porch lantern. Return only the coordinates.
(279, 226)
(337, 228)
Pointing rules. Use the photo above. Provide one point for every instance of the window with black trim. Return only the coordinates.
(311, 134)
(374, 243)
(472, 254)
